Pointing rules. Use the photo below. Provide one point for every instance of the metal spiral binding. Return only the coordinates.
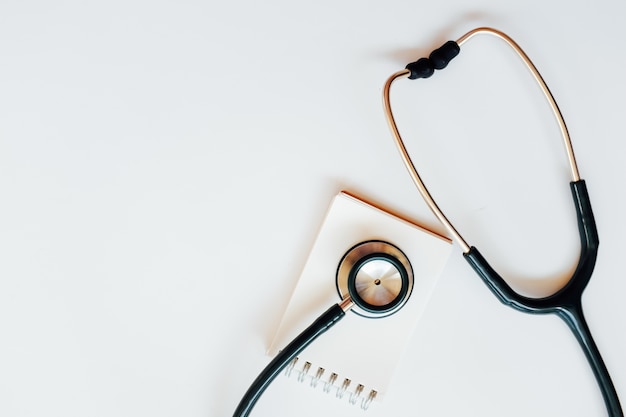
(344, 387)
(330, 383)
(354, 397)
(316, 379)
(304, 372)
(290, 367)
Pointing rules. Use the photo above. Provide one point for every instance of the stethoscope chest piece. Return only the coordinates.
(377, 276)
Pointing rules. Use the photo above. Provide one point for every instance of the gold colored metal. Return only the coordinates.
(346, 304)
(411, 167)
(353, 257)
(407, 159)
(544, 88)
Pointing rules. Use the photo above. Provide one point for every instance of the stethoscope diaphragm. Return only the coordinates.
(377, 276)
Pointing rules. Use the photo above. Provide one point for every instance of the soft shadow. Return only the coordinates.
(452, 31)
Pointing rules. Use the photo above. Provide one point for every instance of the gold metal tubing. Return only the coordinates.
(411, 168)
(544, 88)
(407, 159)
(346, 304)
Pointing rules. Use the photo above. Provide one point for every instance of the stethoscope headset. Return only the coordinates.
(374, 279)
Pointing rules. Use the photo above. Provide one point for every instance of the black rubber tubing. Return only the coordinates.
(565, 303)
(282, 359)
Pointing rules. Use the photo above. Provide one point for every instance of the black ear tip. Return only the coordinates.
(422, 68)
(438, 59)
(442, 56)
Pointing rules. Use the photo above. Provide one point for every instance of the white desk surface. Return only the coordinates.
(164, 167)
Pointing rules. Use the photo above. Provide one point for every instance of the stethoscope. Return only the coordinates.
(566, 302)
(374, 278)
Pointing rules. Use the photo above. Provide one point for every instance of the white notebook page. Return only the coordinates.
(364, 350)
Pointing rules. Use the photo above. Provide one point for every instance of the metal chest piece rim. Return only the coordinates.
(377, 276)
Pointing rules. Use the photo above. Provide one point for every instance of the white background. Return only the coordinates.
(164, 167)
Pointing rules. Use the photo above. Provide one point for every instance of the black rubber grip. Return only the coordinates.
(439, 59)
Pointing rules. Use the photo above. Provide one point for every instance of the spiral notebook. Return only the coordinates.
(355, 360)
